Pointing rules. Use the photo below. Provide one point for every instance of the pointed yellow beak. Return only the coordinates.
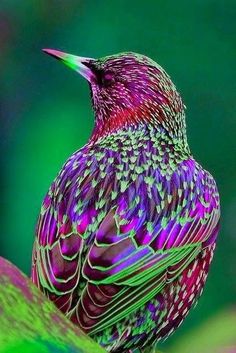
(77, 63)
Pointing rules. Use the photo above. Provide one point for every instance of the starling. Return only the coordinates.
(127, 230)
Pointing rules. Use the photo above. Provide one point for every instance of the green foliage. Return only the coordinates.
(31, 323)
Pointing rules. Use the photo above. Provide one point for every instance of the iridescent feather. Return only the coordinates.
(127, 230)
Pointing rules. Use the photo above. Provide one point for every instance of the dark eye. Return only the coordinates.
(107, 78)
(104, 78)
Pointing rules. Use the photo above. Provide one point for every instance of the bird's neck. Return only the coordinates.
(144, 138)
(158, 123)
(159, 118)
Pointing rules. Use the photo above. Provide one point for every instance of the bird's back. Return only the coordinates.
(125, 237)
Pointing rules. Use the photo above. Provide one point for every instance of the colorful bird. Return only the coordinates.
(128, 227)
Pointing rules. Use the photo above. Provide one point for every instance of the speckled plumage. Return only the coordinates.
(127, 230)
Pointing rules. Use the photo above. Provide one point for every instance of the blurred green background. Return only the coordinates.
(46, 113)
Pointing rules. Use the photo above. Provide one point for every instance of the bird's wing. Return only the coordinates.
(146, 241)
(126, 240)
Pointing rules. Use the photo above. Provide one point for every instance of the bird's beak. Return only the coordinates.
(77, 63)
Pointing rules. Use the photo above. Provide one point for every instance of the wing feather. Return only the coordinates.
(108, 243)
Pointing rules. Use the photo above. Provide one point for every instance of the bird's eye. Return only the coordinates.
(104, 78)
(108, 76)
(107, 79)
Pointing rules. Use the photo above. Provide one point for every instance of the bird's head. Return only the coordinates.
(128, 89)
